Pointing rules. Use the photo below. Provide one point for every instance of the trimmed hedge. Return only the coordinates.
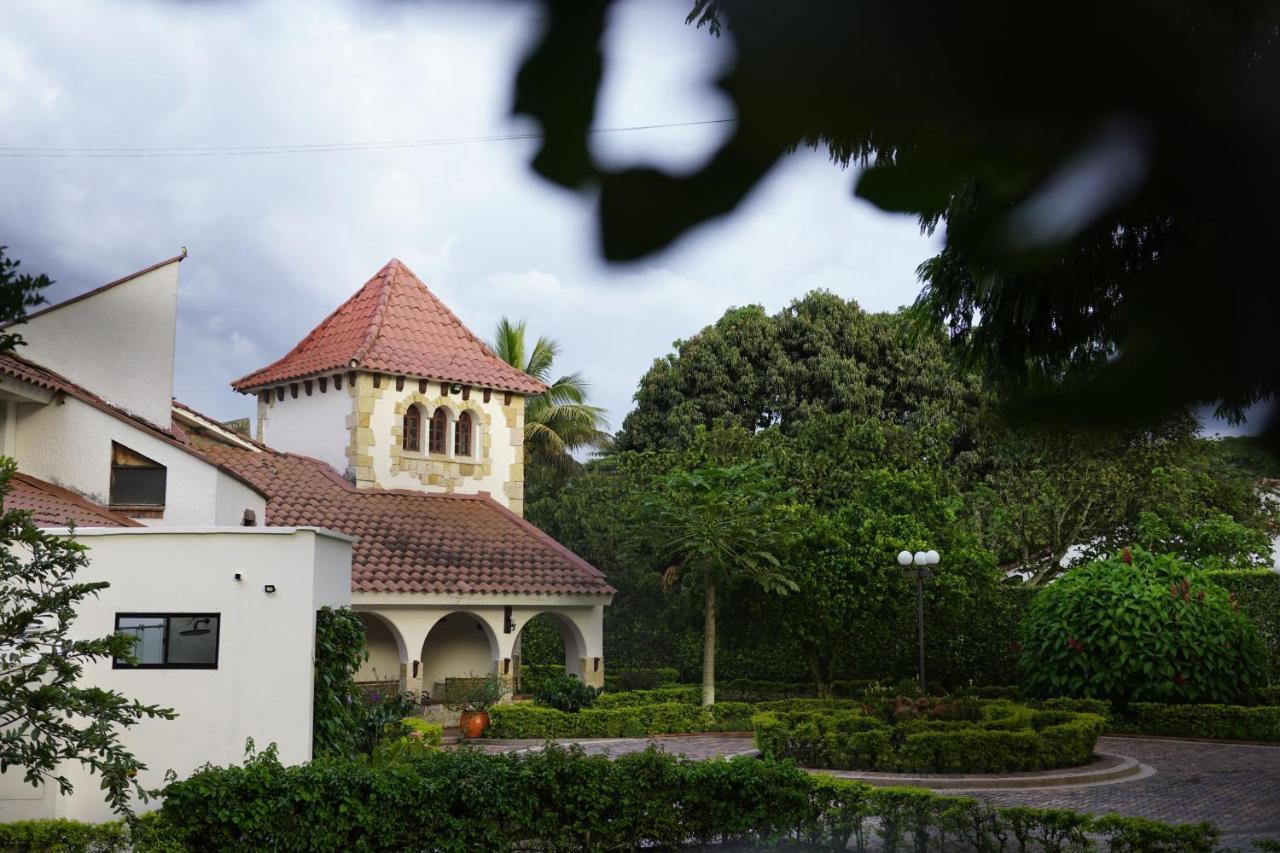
(1225, 722)
(1007, 738)
(641, 678)
(429, 734)
(149, 834)
(560, 799)
(526, 720)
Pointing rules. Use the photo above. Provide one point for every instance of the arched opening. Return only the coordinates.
(386, 652)
(460, 645)
(411, 437)
(439, 432)
(462, 435)
(548, 644)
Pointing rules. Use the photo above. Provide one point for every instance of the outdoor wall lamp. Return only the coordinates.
(269, 588)
(506, 666)
(914, 564)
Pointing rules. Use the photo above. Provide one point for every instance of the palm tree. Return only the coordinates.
(559, 420)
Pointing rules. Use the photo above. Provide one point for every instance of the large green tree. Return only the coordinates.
(821, 354)
(717, 527)
(1092, 245)
(560, 420)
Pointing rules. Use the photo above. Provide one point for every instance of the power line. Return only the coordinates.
(317, 148)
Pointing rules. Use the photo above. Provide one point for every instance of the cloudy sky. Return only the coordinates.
(278, 240)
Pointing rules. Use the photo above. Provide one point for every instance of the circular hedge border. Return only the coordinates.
(998, 737)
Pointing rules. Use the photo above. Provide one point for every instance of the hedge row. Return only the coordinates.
(560, 799)
(148, 834)
(526, 720)
(974, 645)
(1224, 722)
(1008, 738)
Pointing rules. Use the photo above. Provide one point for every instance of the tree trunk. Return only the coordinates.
(820, 669)
(709, 647)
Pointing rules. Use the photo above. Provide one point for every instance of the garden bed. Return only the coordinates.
(994, 737)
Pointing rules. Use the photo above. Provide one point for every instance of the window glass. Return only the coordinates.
(462, 435)
(193, 639)
(174, 640)
(148, 634)
(412, 429)
(135, 479)
(439, 429)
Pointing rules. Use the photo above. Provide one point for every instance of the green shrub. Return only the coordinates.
(1226, 722)
(1154, 630)
(150, 833)
(566, 693)
(429, 734)
(647, 678)
(689, 694)
(534, 676)
(524, 720)
(1007, 738)
(558, 799)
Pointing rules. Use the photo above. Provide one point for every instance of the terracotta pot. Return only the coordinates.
(473, 723)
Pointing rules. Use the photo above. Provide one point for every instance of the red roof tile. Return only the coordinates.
(43, 377)
(54, 506)
(394, 324)
(415, 542)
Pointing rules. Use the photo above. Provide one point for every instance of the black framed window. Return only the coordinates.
(136, 481)
(170, 640)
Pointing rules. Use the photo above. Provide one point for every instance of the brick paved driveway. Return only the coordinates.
(1236, 787)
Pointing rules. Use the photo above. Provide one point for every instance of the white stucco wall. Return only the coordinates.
(69, 444)
(413, 617)
(458, 646)
(118, 343)
(313, 425)
(503, 451)
(262, 687)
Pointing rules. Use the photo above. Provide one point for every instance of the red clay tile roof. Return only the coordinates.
(43, 377)
(54, 506)
(394, 324)
(415, 542)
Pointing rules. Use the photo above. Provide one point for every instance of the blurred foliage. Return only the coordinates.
(18, 292)
(1103, 173)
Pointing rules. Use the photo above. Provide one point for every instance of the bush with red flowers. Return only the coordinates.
(1140, 627)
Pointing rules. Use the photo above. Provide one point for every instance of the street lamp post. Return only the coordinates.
(914, 564)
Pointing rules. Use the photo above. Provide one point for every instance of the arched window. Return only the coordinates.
(411, 439)
(462, 435)
(439, 429)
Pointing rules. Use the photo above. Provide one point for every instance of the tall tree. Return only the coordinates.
(717, 527)
(1091, 246)
(560, 420)
(819, 355)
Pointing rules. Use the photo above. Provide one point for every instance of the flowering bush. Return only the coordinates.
(1140, 627)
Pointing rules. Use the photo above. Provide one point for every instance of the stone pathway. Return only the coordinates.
(1235, 786)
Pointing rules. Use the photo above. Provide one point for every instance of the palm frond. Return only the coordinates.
(508, 342)
(541, 358)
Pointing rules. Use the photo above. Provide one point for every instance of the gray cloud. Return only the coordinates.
(277, 241)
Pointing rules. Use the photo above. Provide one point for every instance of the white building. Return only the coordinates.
(393, 423)
(224, 612)
(387, 474)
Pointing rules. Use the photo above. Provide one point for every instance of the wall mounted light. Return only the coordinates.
(597, 666)
(508, 623)
(239, 577)
(506, 666)
(269, 588)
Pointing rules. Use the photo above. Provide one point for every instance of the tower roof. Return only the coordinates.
(394, 324)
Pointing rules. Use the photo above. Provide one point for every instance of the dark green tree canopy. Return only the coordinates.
(820, 355)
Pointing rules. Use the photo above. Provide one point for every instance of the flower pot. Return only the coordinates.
(473, 723)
